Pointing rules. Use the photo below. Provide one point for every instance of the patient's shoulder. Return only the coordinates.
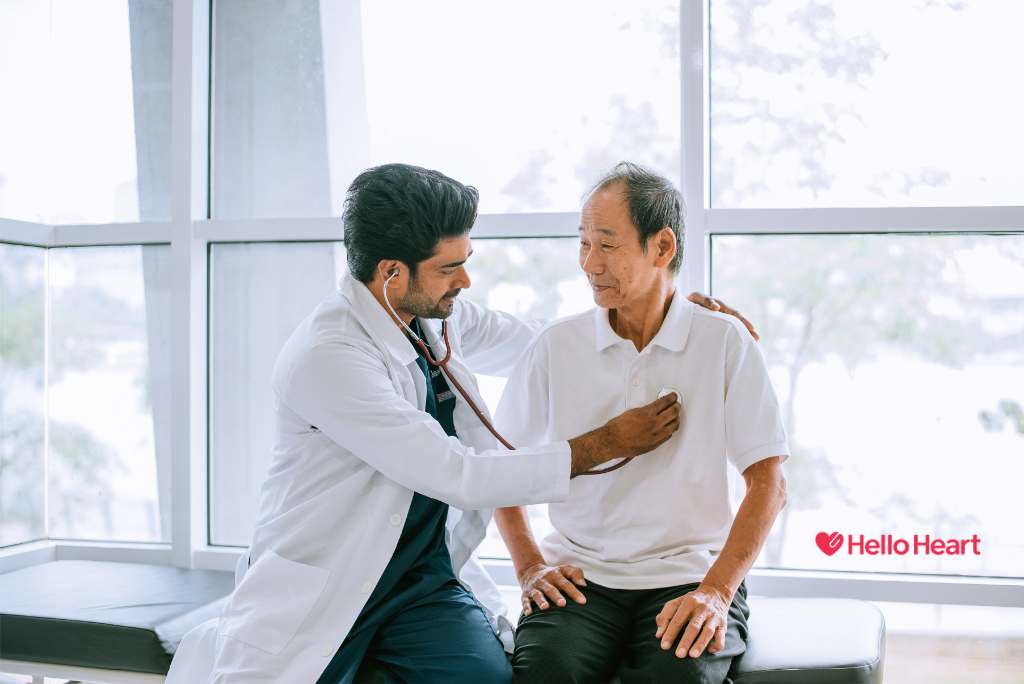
(718, 327)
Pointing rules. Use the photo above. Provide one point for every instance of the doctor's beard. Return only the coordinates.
(417, 303)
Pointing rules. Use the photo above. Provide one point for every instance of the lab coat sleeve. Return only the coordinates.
(753, 421)
(492, 341)
(524, 413)
(344, 390)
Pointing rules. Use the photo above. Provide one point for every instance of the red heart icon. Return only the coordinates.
(829, 543)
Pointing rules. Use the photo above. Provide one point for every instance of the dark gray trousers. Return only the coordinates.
(613, 633)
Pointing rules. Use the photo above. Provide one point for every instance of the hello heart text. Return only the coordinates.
(888, 545)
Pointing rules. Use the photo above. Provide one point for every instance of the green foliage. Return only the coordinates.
(1008, 412)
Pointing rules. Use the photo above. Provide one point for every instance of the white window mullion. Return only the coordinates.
(693, 64)
(189, 83)
(866, 220)
(521, 225)
(25, 233)
(148, 233)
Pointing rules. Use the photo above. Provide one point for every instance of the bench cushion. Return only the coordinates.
(123, 616)
(819, 640)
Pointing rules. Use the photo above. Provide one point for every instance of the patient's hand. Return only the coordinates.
(719, 305)
(542, 582)
(704, 613)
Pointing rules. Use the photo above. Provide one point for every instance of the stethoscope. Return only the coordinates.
(443, 365)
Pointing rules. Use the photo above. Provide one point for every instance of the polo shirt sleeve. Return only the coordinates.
(754, 429)
(524, 411)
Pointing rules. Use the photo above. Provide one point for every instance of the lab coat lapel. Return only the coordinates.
(384, 333)
(378, 322)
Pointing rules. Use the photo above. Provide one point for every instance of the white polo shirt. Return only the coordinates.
(661, 520)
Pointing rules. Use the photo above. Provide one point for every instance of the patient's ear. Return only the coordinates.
(663, 245)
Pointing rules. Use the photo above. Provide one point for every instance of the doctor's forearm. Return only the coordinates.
(591, 449)
(514, 526)
(750, 529)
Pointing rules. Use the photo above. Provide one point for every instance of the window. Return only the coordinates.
(22, 404)
(814, 106)
(258, 295)
(528, 101)
(847, 104)
(108, 377)
(85, 126)
(899, 362)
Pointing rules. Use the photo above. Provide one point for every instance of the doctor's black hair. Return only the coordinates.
(654, 203)
(401, 212)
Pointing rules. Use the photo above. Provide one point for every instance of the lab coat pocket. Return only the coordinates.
(273, 598)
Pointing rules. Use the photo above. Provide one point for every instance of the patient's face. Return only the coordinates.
(619, 271)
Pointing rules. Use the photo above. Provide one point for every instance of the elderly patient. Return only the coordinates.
(649, 556)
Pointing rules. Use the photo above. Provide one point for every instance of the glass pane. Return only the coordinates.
(22, 404)
(109, 393)
(950, 644)
(307, 94)
(845, 103)
(899, 360)
(259, 293)
(85, 126)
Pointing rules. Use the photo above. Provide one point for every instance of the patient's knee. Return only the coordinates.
(549, 671)
(553, 663)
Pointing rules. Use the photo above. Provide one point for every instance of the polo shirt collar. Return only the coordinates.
(672, 334)
(377, 321)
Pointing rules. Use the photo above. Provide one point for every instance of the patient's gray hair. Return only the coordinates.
(654, 203)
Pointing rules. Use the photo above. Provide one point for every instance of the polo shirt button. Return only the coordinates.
(636, 383)
(396, 520)
(367, 587)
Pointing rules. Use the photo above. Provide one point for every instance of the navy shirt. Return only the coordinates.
(421, 563)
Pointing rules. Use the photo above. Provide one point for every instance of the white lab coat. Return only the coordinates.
(352, 445)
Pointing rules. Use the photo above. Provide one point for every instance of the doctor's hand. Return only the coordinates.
(644, 429)
(702, 616)
(628, 434)
(543, 584)
(718, 305)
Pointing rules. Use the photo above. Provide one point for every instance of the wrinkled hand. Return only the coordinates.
(542, 583)
(718, 305)
(703, 613)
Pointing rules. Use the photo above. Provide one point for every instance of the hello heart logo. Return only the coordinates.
(891, 545)
(829, 543)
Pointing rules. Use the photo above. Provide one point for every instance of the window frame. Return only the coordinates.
(190, 232)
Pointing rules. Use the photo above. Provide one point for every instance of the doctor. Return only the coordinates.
(382, 476)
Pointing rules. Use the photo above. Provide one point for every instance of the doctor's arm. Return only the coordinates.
(492, 341)
(344, 390)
